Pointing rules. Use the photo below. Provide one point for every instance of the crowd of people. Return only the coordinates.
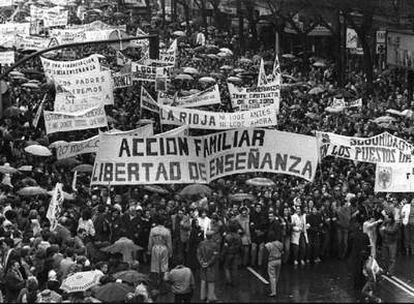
(186, 240)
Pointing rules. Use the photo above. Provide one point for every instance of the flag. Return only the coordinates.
(55, 206)
(147, 102)
(276, 73)
(262, 80)
(38, 113)
(173, 47)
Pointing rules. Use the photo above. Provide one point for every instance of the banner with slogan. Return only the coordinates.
(60, 70)
(125, 160)
(196, 119)
(167, 56)
(90, 145)
(180, 131)
(66, 36)
(394, 178)
(147, 102)
(96, 26)
(7, 57)
(243, 99)
(122, 80)
(8, 32)
(81, 92)
(54, 16)
(382, 148)
(208, 97)
(63, 122)
(148, 73)
(55, 206)
(6, 3)
(31, 43)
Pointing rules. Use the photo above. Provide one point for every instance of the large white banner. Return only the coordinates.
(123, 160)
(65, 36)
(81, 92)
(60, 70)
(196, 119)
(6, 3)
(54, 16)
(63, 122)
(243, 99)
(32, 43)
(382, 148)
(8, 32)
(394, 178)
(7, 57)
(148, 73)
(208, 97)
(90, 145)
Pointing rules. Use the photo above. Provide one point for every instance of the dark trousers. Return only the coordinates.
(314, 246)
(183, 298)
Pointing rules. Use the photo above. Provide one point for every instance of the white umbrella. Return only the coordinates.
(222, 54)
(408, 114)
(207, 79)
(184, 77)
(179, 33)
(81, 281)
(234, 79)
(394, 112)
(38, 150)
(384, 119)
(316, 90)
(245, 60)
(7, 169)
(190, 70)
(260, 182)
(226, 50)
(319, 64)
(288, 56)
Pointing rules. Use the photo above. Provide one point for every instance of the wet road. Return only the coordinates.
(328, 281)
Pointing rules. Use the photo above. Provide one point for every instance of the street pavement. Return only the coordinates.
(329, 281)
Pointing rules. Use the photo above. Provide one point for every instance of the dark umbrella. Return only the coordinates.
(113, 292)
(195, 189)
(83, 168)
(131, 276)
(67, 162)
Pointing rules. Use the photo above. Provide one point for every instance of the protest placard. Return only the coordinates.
(394, 178)
(243, 99)
(208, 97)
(6, 3)
(382, 148)
(81, 92)
(60, 70)
(122, 80)
(31, 43)
(123, 160)
(147, 102)
(7, 57)
(55, 206)
(196, 119)
(148, 73)
(63, 122)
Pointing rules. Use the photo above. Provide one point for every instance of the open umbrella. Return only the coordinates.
(38, 150)
(113, 292)
(30, 85)
(226, 50)
(260, 182)
(408, 114)
(29, 182)
(207, 79)
(194, 91)
(245, 60)
(179, 34)
(184, 77)
(239, 197)
(226, 67)
(124, 246)
(7, 169)
(234, 79)
(190, 70)
(223, 55)
(67, 162)
(393, 112)
(239, 70)
(313, 116)
(131, 276)
(156, 189)
(83, 168)
(15, 74)
(25, 168)
(32, 191)
(199, 49)
(384, 119)
(316, 91)
(288, 56)
(213, 56)
(196, 189)
(80, 281)
(319, 64)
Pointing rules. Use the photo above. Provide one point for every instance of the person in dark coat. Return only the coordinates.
(258, 222)
(196, 236)
(360, 251)
(14, 282)
(231, 252)
(207, 254)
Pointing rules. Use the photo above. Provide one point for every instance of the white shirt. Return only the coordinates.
(405, 213)
(201, 39)
(204, 224)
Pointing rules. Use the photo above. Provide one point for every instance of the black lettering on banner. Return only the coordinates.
(147, 167)
(241, 161)
(120, 172)
(133, 172)
(161, 171)
(175, 171)
(307, 169)
(296, 161)
(229, 163)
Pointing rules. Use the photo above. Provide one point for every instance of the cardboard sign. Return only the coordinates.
(394, 178)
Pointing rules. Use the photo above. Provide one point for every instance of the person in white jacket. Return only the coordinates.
(370, 228)
(299, 237)
(407, 215)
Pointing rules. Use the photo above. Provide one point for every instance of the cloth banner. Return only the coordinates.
(147, 102)
(122, 80)
(63, 122)
(65, 36)
(55, 206)
(196, 119)
(244, 99)
(97, 25)
(82, 92)
(125, 160)
(7, 57)
(6, 3)
(180, 131)
(208, 97)
(382, 148)
(394, 178)
(262, 79)
(60, 70)
(90, 145)
(55, 16)
(148, 73)
(8, 32)
(31, 43)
